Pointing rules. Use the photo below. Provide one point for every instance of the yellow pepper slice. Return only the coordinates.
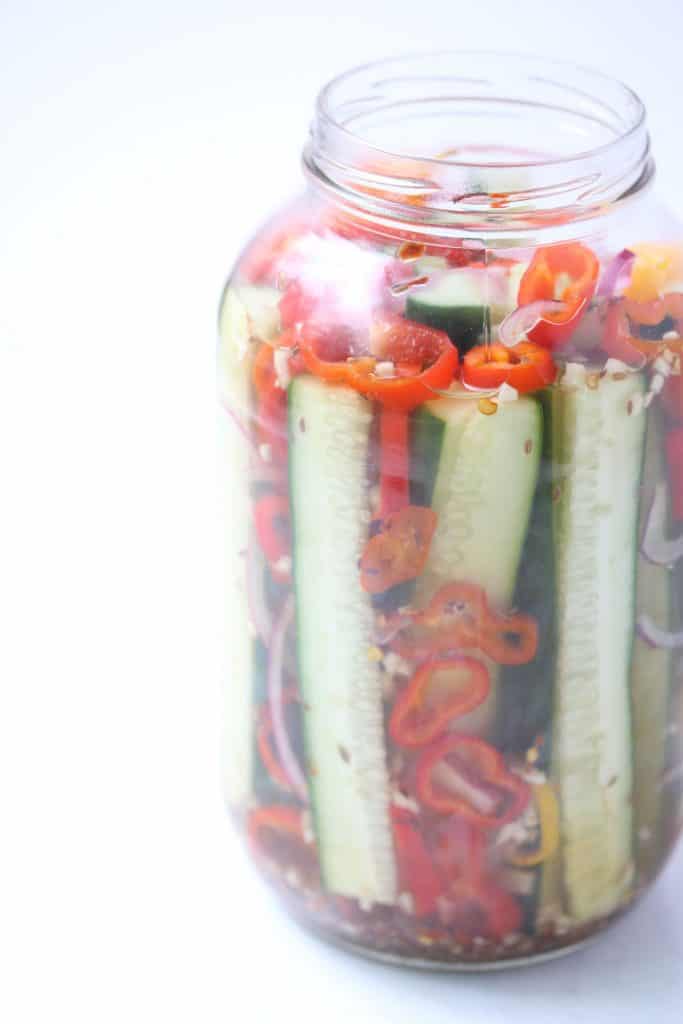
(657, 269)
(548, 809)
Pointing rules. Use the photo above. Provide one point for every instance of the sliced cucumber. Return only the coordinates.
(651, 676)
(597, 447)
(482, 494)
(340, 683)
(248, 314)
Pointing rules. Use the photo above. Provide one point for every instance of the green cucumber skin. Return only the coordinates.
(329, 431)
(651, 679)
(466, 326)
(597, 457)
(426, 438)
(526, 701)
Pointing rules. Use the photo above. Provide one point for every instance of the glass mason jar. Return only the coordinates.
(452, 410)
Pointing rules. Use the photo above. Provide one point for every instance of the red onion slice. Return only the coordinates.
(515, 326)
(286, 755)
(656, 546)
(657, 637)
(237, 420)
(259, 612)
(617, 275)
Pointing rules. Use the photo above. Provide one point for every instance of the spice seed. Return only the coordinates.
(344, 754)
(302, 425)
(487, 407)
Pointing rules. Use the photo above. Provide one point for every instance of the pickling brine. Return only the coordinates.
(452, 443)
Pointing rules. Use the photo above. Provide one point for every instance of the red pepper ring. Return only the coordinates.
(620, 343)
(567, 272)
(526, 367)
(397, 341)
(459, 616)
(465, 776)
(420, 716)
(398, 551)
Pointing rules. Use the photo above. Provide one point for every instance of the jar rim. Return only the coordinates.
(324, 98)
(597, 121)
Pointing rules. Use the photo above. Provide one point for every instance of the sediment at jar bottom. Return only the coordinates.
(452, 729)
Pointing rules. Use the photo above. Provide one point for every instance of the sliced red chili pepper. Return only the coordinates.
(621, 343)
(674, 457)
(482, 909)
(276, 833)
(459, 616)
(416, 871)
(464, 775)
(399, 550)
(472, 904)
(439, 692)
(393, 341)
(526, 367)
(394, 461)
(458, 850)
(651, 314)
(272, 524)
(568, 273)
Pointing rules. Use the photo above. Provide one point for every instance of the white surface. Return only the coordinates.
(140, 142)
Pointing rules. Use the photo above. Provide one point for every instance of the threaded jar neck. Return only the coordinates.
(482, 142)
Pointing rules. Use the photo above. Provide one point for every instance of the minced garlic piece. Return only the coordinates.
(506, 393)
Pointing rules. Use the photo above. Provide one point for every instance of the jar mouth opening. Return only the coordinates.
(458, 133)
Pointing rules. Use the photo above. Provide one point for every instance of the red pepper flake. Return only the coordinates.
(410, 251)
(403, 286)
(528, 446)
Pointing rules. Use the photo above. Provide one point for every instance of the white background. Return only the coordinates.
(140, 143)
